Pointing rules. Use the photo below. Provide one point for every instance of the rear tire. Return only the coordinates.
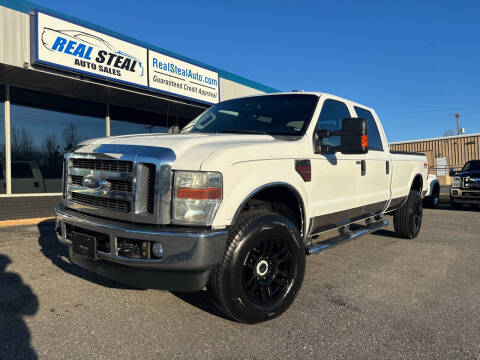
(407, 220)
(262, 270)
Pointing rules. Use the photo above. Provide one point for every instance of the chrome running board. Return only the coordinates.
(343, 238)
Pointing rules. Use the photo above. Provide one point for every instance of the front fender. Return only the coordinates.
(243, 180)
(431, 185)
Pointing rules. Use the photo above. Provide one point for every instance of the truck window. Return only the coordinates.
(374, 139)
(21, 171)
(472, 165)
(274, 115)
(330, 118)
(1, 172)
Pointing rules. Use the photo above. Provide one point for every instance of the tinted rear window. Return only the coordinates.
(374, 139)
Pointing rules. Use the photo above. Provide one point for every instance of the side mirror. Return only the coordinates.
(452, 172)
(353, 138)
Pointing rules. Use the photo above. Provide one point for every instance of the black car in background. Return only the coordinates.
(465, 188)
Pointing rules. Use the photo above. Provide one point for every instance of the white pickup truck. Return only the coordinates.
(238, 198)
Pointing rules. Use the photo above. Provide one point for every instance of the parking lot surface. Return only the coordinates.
(378, 297)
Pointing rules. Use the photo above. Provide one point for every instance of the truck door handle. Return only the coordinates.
(387, 167)
(36, 184)
(363, 166)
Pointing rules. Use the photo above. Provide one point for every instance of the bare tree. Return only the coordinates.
(22, 145)
(50, 147)
(70, 137)
(51, 160)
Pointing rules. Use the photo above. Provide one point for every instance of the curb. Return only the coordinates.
(24, 222)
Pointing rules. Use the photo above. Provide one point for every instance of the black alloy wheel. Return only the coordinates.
(262, 269)
(268, 271)
(417, 214)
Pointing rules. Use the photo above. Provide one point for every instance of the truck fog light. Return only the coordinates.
(455, 192)
(157, 249)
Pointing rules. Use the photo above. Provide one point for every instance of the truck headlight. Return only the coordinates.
(197, 196)
(456, 181)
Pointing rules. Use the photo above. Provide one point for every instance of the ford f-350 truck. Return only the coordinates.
(238, 198)
(465, 188)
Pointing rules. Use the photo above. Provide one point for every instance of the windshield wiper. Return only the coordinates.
(238, 131)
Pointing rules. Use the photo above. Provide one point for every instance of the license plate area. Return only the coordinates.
(84, 245)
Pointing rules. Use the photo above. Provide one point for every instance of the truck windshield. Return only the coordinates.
(272, 115)
(472, 166)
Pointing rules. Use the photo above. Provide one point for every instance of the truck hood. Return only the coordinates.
(475, 173)
(191, 150)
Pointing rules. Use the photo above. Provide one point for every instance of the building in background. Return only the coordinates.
(443, 152)
(63, 80)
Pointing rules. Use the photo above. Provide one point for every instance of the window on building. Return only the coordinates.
(126, 121)
(41, 134)
(374, 139)
(331, 116)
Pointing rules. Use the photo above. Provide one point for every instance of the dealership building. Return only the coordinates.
(64, 80)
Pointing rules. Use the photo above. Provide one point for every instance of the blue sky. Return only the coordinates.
(415, 62)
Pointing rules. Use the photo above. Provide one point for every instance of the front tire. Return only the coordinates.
(262, 270)
(433, 200)
(407, 220)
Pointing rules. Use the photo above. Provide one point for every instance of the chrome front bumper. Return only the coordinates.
(465, 196)
(189, 253)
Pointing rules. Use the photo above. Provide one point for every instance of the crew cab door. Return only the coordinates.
(336, 194)
(376, 178)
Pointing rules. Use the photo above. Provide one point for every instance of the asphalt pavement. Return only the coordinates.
(378, 297)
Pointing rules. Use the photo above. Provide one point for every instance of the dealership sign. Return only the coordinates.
(179, 77)
(66, 45)
(70, 46)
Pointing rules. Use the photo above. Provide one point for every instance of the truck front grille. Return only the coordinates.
(115, 185)
(105, 165)
(151, 188)
(117, 193)
(102, 203)
(125, 182)
(471, 183)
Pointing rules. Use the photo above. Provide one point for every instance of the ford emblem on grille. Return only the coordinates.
(94, 183)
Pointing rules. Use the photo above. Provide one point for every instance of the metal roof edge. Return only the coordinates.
(433, 139)
(27, 6)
